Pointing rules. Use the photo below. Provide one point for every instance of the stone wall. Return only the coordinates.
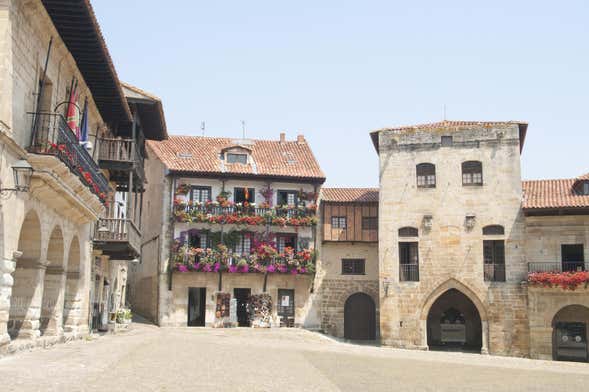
(450, 252)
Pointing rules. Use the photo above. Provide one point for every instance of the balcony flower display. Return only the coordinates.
(565, 280)
(263, 258)
(227, 212)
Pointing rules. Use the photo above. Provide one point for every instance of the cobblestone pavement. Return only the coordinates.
(192, 359)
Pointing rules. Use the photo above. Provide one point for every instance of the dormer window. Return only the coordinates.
(585, 188)
(582, 188)
(236, 158)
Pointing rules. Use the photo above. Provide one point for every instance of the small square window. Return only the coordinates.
(353, 266)
(369, 223)
(447, 141)
(338, 222)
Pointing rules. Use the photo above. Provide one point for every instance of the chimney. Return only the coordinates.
(301, 139)
(282, 137)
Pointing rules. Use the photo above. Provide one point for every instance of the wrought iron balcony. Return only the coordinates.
(562, 266)
(494, 272)
(121, 156)
(409, 272)
(118, 238)
(52, 136)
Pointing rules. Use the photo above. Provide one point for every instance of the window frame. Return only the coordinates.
(200, 188)
(241, 244)
(287, 192)
(408, 231)
(339, 219)
(281, 241)
(472, 169)
(425, 175)
(494, 230)
(236, 154)
(358, 266)
(497, 258)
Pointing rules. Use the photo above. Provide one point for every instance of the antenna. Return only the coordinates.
(444, 112)
(243, 128)
(202, 127)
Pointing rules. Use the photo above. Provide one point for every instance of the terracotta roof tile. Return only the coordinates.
(201, 155)
(560, 193)
(350, 195)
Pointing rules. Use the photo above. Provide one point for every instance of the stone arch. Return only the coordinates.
(27, 289)
(72, 305)
(53, 285)
(570, 333)
(360, 317)
(441, 290)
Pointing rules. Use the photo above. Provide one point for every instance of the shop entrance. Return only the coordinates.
(196, 306)
(242, 297)
(286, 307)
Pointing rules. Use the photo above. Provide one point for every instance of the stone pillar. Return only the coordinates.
(6, 281)
(26, 299)
(53, 298)
(485, 337)
(73, 319)
(424, 345)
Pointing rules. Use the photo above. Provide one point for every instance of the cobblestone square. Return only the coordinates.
(148, 358)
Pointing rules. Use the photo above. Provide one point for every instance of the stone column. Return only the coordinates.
(53, 298)
(26, 299)
(73, 319)
(6, 281)
(485, 337)
(424, 345)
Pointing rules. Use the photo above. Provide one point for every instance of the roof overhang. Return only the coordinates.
(258, 177)
(76, 23)
(556, 211)
(150, 111)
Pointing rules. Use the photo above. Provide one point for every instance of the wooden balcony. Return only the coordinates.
(118, 238)
(121, 157)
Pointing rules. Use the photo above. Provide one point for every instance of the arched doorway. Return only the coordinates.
(570, 334)
(27, 289)
(454, 323)
(359, 317)
(72, 306)
(53, 286)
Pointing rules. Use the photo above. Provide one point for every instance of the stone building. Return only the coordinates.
(229, 232)
(461, 240)
(53, 180)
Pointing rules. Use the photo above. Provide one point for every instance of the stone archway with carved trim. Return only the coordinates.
(442, 289)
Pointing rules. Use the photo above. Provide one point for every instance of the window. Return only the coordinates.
(243, 244)
(353, 266)
(338, 222)
(236, 158)
(286, 241)
(198, 240)
(370, 223)
(494, 260)
(572, 257)
(409, 261)
(289, 198)
(408, 232)
(582, 188)
(446, 141)
(493, 230)
(426, 175)
(201, 194)
(472, 173)
(241, 195)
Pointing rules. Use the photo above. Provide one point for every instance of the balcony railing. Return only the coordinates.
(52, 136)
(563, 266)
(250, 215)
(494, 272)
(118, 230)
(409, 272)
(120, 150)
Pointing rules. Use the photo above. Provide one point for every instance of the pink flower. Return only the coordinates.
(244, 268)
(271, 268)
(293, 271)
(217, 267)
(182, 268)
(207, 268)
(232, 268)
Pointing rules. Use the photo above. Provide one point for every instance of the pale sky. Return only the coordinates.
(335, 70)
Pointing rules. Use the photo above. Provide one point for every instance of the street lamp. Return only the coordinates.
(22, 172)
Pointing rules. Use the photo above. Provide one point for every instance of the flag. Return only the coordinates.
(73, 114)
(246, 194)
(84, 123)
